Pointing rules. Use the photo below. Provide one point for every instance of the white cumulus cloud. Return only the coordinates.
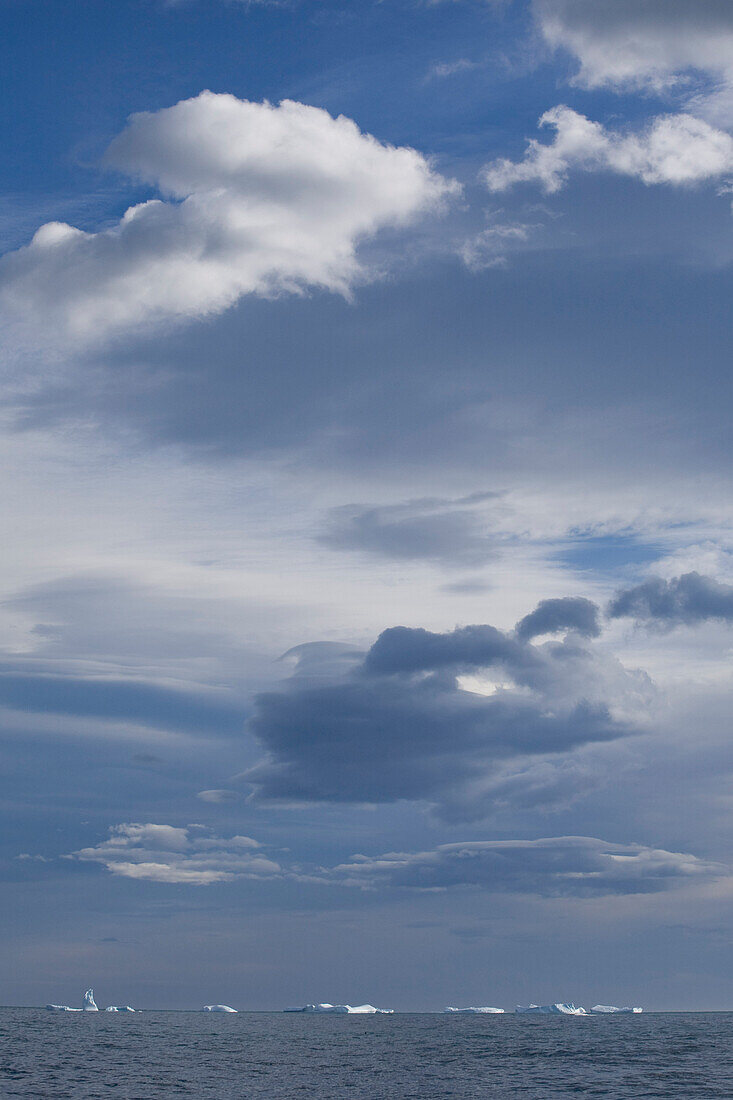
(256, 199)
(674, 149)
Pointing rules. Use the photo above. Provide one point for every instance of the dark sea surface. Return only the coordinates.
(153, 1055)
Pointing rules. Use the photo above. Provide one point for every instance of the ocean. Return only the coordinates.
(157, 1055)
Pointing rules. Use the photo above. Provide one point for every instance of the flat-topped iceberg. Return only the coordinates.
(473, 1011)
(119, 1008)
(558, 1009)
(611, 1010)
(218, 1008)
(343, 1010)
(87, 1006)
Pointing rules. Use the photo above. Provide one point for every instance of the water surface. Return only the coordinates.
(157, 1055)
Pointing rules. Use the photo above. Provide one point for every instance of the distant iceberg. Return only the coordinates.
(218, 1008)
(558, 1009)
(611, 1010)
(473, 1011)
(119, 1008)
(89, 1005)
(343, 1010)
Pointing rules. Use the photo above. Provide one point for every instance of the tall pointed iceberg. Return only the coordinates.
(89, 1005)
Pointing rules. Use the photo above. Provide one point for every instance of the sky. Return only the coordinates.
(367, 584)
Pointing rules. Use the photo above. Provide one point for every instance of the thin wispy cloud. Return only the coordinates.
(570, 866)
(189, 856)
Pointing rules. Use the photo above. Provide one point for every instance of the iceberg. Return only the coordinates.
(343, 1010)
(473, 1011)
(119, 1008)
(611, 1010)
(558, 1009)
(218, 1008)
(88, 1005)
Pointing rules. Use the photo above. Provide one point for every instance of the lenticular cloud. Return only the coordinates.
(257, 199)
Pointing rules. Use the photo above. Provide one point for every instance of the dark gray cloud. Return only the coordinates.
(686, 600)
(566, 866)
(444, 531)
(568, 613)
(370, 741)
(412, 649)
(400, 725)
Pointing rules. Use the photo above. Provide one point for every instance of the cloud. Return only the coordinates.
(449, 532)
(406, 722)
(675, 149)
(568, 613)
(218, 796)
(126, 700)
(488, 248)
(192, 855)
(684, 600)
(412, 649)
(567, 866)
(450, 68)
(258, 199)
(639, 43)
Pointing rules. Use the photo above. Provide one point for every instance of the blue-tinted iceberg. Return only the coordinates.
(611, 1010)
(218, 1008)
(343, 1010)
(558, 1009)
(473, 1011)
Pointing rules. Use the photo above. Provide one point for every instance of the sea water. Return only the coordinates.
(157, 1055)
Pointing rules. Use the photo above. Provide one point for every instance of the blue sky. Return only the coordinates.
(368, 567)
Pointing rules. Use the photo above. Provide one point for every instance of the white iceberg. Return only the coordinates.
(88, 1005)
(558, 1009)
(119, 1008)
(343, 1010)
(218, 1008)
(473, 1011)
(611, 1010)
